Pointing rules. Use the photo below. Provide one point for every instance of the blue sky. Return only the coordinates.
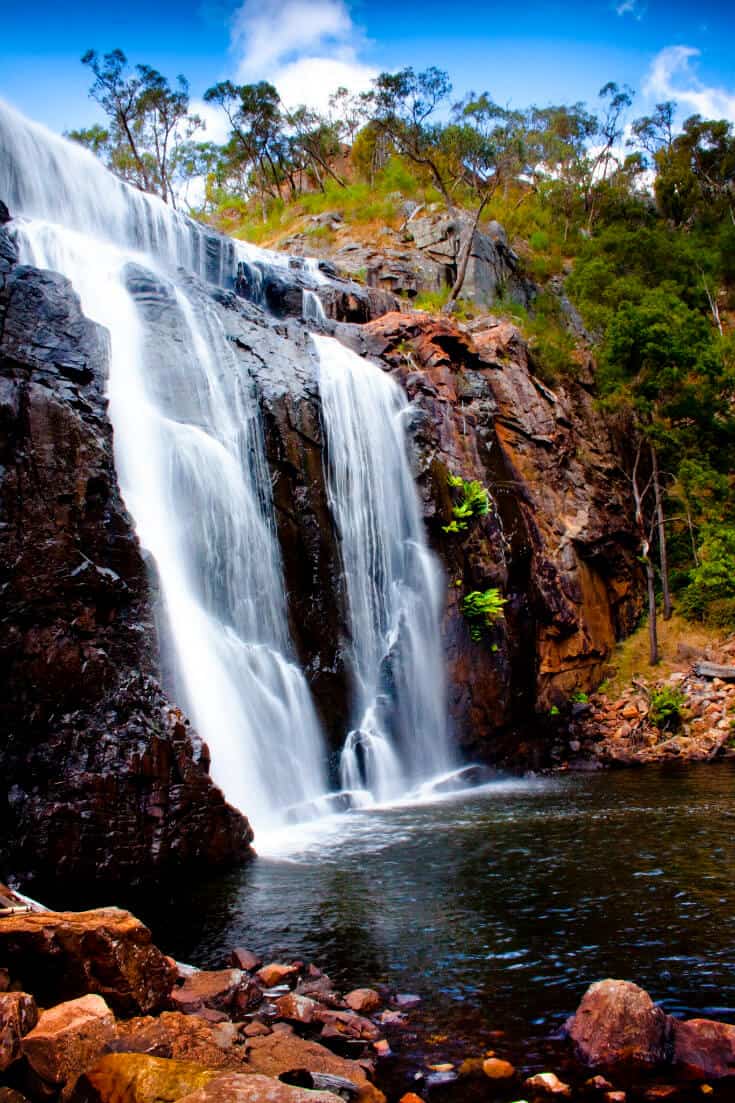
(538, 51)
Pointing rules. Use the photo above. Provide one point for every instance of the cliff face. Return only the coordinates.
(557, 541)
(104, 776)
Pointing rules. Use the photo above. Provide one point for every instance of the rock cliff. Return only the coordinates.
(104, 777)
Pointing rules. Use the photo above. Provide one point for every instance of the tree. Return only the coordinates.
(257, 146)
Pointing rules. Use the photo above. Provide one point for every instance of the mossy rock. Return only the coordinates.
(138, 1078)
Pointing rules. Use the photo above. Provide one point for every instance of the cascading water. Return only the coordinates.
(393, 585)
(189, 453)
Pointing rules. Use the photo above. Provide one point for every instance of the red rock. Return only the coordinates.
(615, 1097)
(320, 989)
(276, 973)
(69, 1038)
(704, 1049)
(382, 1047)
(248, 996)
(176, 1036)
(363, 1000)
(280, 1054)
(655, 1092)
(18, 1015)
(256, 1030)
(496, 1069)
(598, 1084)
(618, 1027)
(253, 1088)
(216, 989)
(297, 1009)
(347, 1024)
(547, 1084)
(411, 1097)
(245, 959)
(108, 952)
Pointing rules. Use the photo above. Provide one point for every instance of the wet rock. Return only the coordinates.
(61, 955)
(178, 1036)
(277, 1055)
(703, 1049)
(68, 1038)
(297, 1009)
(618, 1027)
(256, 1030)
(363, 1000)
(495, 1069)
(276, 973)
(346, 1024)
(321, 989)
(547, 1085)
(246, 960)
(105, 779)
(138, 1078)
(598, 1084)
(18, 1015)
(234, 1088)
(215, 989)
(407, 1000)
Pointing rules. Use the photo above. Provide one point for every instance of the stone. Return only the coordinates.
(346, 1024)
(276, 973)
(69, 1038)
(245, 959)
(18, 1015)
(703, 1049)
(297, 1009)
(234, 1088)
(617, 1026)
(106, 780)
(547, 1084)
(363, 1000)
(180, 1037)
(279, 1055)
(496, 1069)
(320, 989)
(615, 1097)
(598, 1084)
(61, 955)
(407, 1000)
(215, 989)
(256, 1030)
(139, 1078)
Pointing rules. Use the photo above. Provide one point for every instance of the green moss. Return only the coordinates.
(474, 502)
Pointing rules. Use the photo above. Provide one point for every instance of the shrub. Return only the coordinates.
(475, 502)
(482, 608)
(666, 708)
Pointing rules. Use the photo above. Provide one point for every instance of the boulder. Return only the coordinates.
(245, 959)
(69, 1038)
(215, 989)
(346, 1024)
(547, 1085)
(138, 1078)
(495, 1069)
(62, 955)
(234, 1088)
(618, 1027)
(276, 973)
(363, 1000)
(284, 1054)
(704, 1049)
(297, 1009)
(177, 1036)
(18, 1015)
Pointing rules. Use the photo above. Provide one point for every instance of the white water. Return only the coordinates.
(190, 458)
(394, 587)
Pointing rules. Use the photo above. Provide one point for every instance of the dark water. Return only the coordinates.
(500, 908)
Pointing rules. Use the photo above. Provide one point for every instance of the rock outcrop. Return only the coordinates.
(105, 777)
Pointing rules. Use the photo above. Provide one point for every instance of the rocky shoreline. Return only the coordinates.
(91, 1011)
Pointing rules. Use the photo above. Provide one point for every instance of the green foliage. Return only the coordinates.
(710, 595)
(666, 708)
(474, 502)
(483, 609)
(579, 698)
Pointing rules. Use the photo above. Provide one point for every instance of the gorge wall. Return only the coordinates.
(104, 773)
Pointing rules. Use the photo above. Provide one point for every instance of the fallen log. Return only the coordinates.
(713, 670)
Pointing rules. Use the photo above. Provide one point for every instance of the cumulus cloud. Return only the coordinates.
(307, 48)
(672, 77)
(216, 128)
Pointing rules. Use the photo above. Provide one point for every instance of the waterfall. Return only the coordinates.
(189, 454)
(394, 587)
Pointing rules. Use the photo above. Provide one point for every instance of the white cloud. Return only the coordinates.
(216, 127)
(636, 8)
(307, 48)
(671, 76)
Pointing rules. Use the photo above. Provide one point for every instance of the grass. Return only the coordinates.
(630, 659)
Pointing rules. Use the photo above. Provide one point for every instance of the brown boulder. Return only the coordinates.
(276, 973)
(18, 1015)
(296, 1009)
(704, 1049)
(62, 955)
(547, 1085)
(214, 989)
(495, 1069)
(618, 1027)
(138, 1078)
(363, 1000)
(177, 1036)
(245, 959)
(279, 1054)
(234, 1088)
(347, 1025)
(69, 1038)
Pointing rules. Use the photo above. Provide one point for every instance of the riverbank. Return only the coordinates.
(91, 1011)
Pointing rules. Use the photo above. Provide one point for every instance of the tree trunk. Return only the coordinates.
(663, 556)
(465, 259)
(653, 655)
